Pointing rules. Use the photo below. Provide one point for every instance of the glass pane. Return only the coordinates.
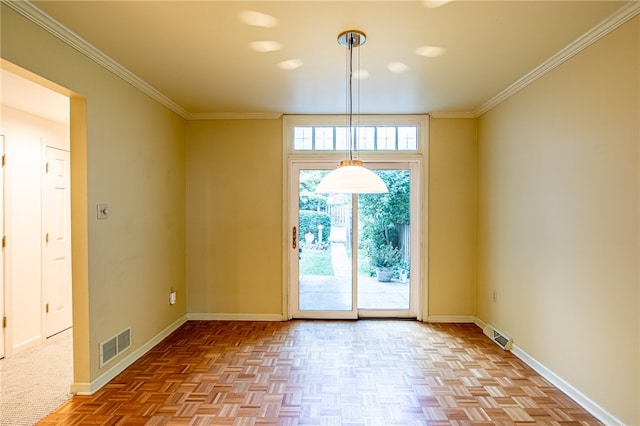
(407, 138)
(386, 138)
(324, 229)
(342, 143)
(324, 138)
(303, 138)
(366, 138)
(384, 244)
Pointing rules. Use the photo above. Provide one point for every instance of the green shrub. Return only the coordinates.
(384, 256)
(308, 221)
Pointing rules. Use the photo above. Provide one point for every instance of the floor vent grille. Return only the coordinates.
(498, 337)
(114, 346)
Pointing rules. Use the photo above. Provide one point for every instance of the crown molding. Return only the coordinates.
(445, 114)
(622, 15)
(235, 116)
(37, 16)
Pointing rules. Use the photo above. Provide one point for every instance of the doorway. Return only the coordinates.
(36, 193)
(353, 255)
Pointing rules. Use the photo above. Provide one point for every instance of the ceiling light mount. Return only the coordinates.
(353, 38)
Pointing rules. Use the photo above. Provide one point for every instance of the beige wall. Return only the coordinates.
(452, 215)
(133, 151)
(234, 216)
(558, 221)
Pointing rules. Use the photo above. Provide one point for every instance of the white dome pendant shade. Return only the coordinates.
(351, 177)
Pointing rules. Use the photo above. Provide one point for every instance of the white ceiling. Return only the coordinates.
(198, 53)
(21, 94)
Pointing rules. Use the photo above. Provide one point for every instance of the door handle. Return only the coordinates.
(294, 239)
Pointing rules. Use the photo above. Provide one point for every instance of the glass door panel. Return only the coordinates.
(384, 245)
(325, 285)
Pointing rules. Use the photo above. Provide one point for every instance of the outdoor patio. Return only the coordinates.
(333, 293)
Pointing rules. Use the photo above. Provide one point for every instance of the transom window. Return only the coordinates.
(367, 138)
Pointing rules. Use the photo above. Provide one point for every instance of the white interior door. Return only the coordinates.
(2, 312)
(57, 252)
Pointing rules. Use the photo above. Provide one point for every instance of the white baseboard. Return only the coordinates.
(235, 317)
(103, 379)
(480, 323)
(597, 411)
(27, 344)
(594, 409)
(451, 318)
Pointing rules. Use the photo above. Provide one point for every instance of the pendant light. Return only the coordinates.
(351, 176)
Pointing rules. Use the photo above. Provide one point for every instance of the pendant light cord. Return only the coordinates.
(350, 96)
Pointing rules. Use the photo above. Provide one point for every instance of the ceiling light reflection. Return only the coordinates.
(290, 64)
(265, 46)
(432, 4)
(397, 67)
(361, 74)
(257, 19)
(430, 51)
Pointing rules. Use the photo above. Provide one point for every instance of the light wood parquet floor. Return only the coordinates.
(371, 372)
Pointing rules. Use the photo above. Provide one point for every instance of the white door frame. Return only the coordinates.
(2, 279)
(290, 290)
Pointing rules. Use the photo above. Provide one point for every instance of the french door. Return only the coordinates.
(353, 255)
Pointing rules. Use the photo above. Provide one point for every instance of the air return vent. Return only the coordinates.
(114, 346)
(498, 337)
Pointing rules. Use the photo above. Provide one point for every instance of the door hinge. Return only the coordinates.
(46, 238)
(4, 159)
(4, 322)
(46, 308)
(46, 167)
(4, 241)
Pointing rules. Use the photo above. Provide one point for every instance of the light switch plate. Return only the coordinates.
(103, 211)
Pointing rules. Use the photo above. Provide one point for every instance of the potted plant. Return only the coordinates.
(403, 272)
(384, 258)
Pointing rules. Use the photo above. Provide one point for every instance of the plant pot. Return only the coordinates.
(384, 274)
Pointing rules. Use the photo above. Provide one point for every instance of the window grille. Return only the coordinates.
(368, 138)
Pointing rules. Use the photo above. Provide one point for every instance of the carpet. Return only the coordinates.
(36, 381)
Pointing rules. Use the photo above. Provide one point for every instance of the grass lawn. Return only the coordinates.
(316, 262)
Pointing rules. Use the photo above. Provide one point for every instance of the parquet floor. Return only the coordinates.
(367, 372)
